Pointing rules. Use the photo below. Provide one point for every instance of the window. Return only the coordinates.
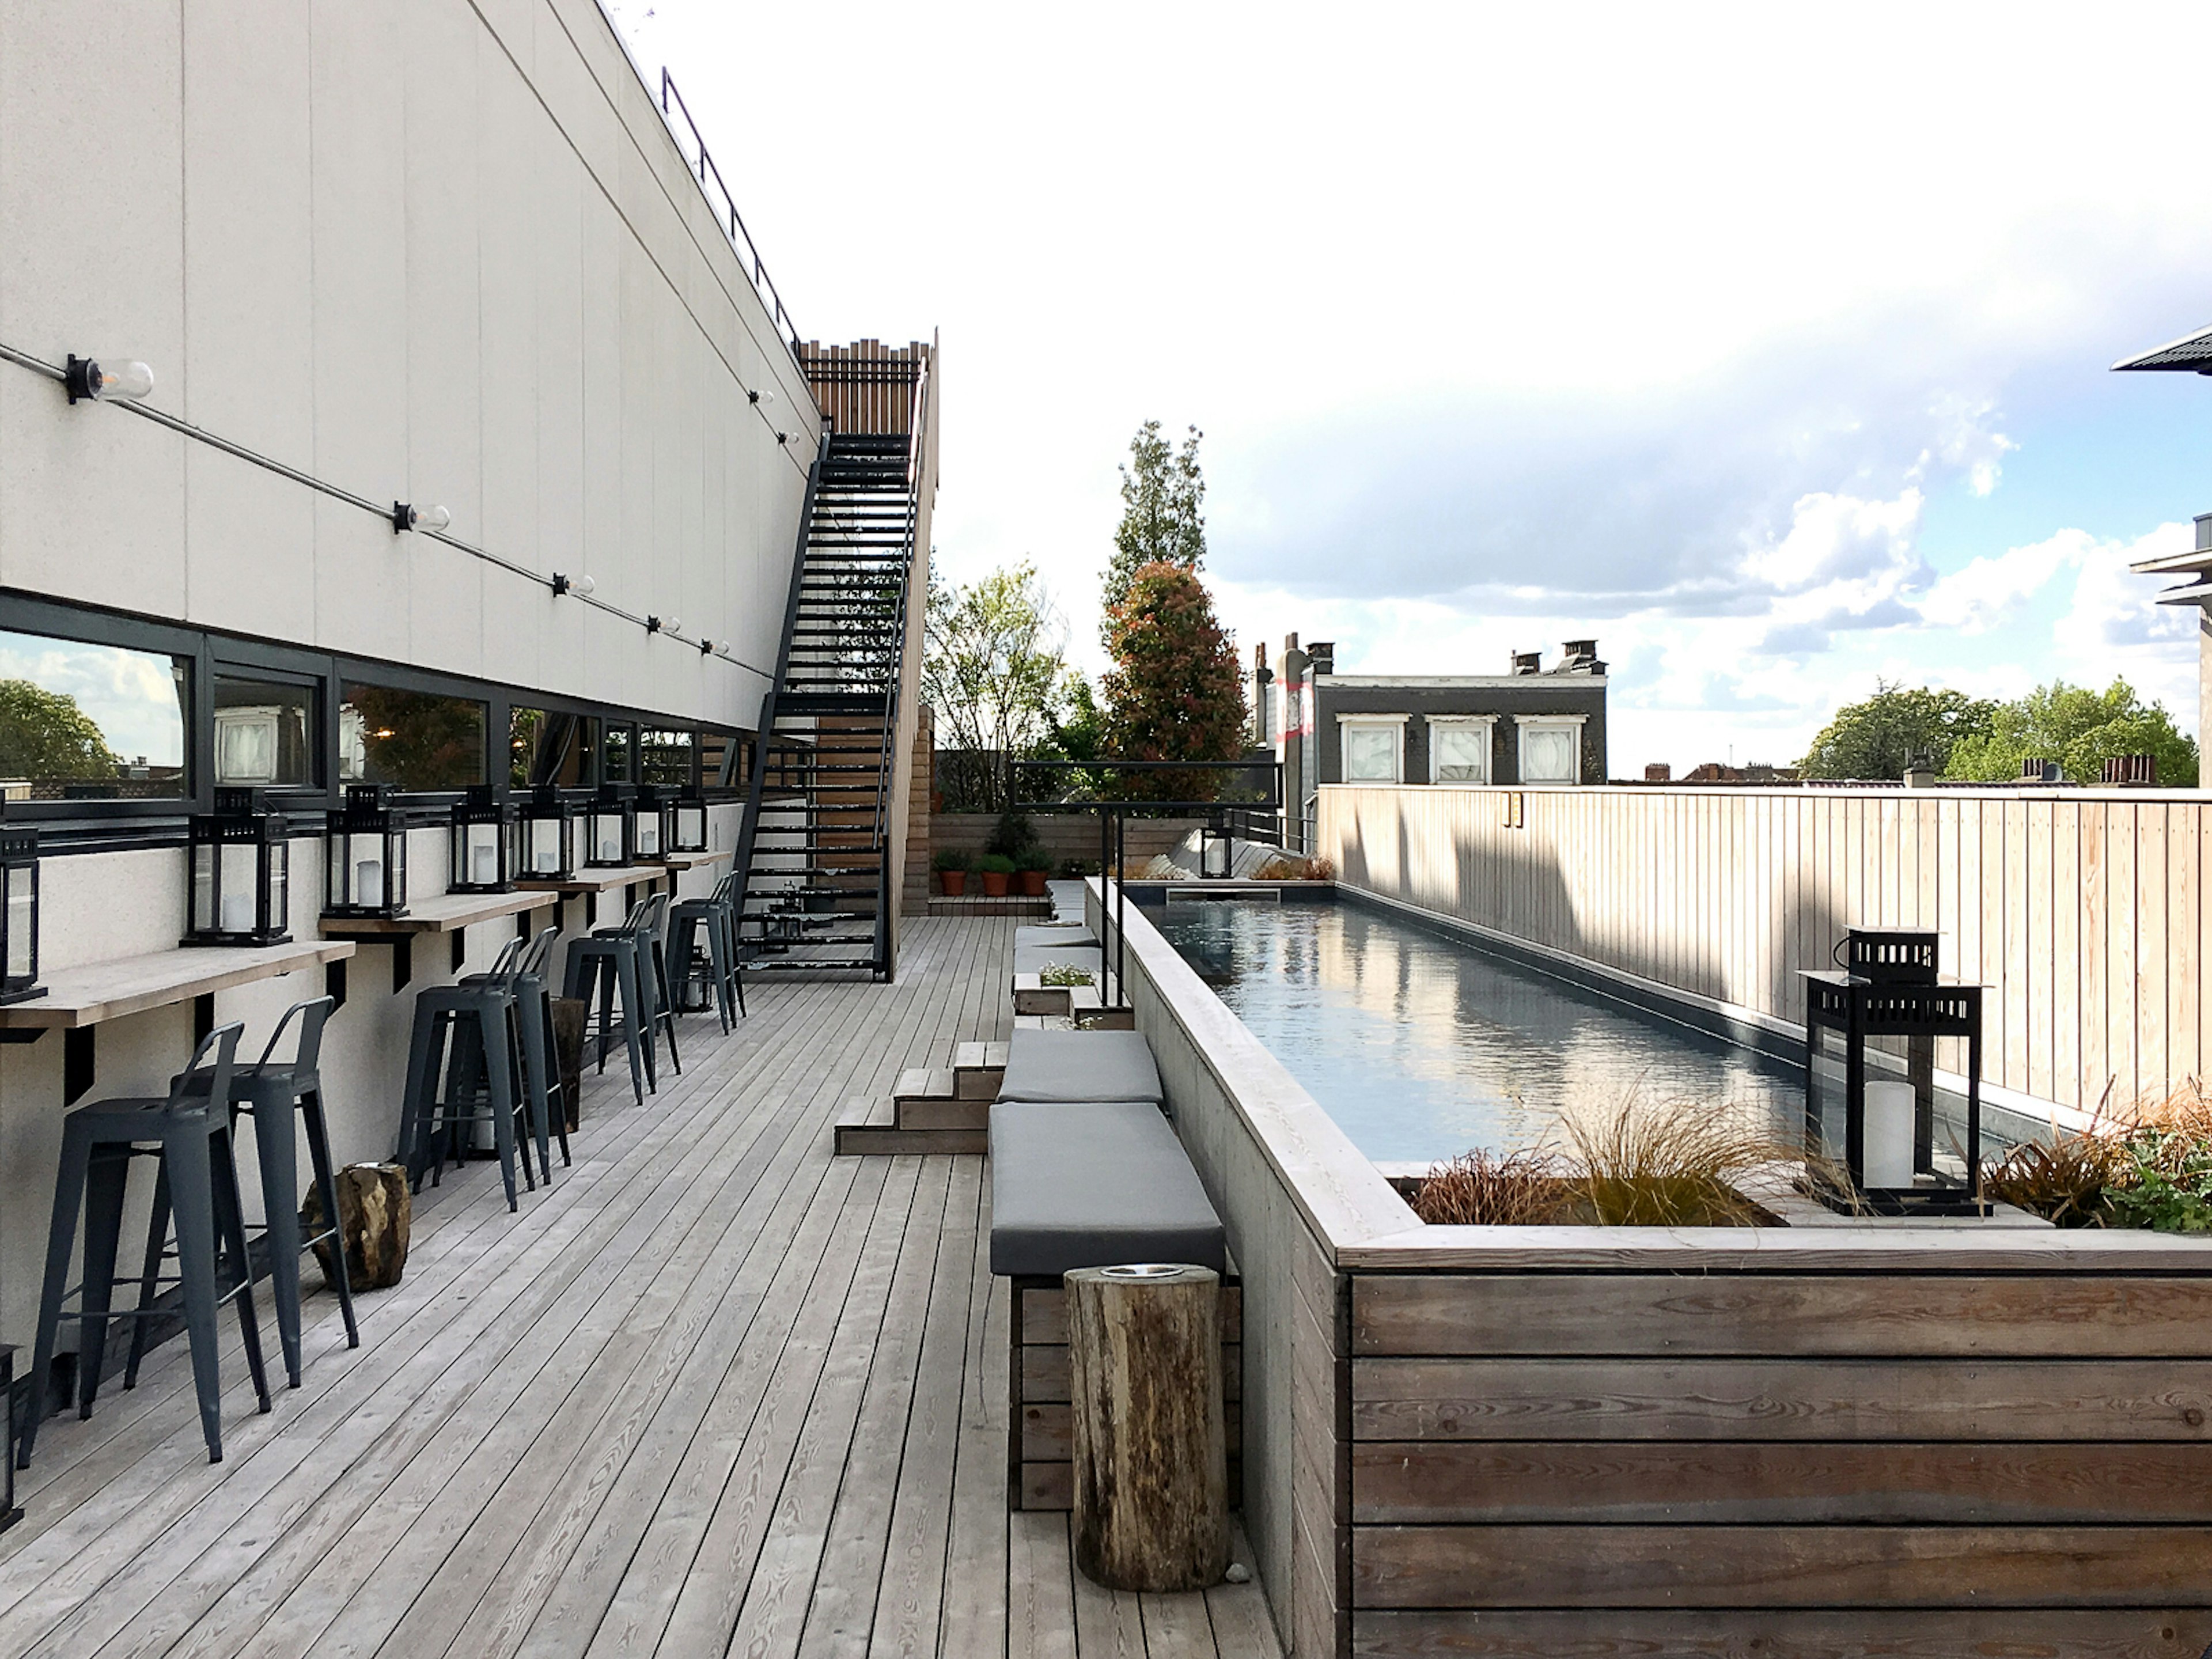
(546, 747)
(263, 732)
(91, 722)
(1459, 748)
(722, 760)
(416, 740)
(1374, 747)
(1551, 748)
(615, 758)
(664, 756)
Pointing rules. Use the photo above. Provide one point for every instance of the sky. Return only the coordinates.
(1770, 345)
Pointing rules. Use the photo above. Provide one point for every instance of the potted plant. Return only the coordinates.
(997, 870)
(1032, 865)
(951, 866)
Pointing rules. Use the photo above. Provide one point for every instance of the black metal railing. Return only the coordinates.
(671, 105)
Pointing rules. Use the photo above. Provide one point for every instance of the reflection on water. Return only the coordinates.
(1420, 1047)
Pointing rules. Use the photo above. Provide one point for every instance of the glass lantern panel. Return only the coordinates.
(541, 846)
(367, 876)
(203, 860)
(607, 837)
(240, 877)
(691, 827)
(398, 894)
(1829, 1099)
(280, 886)
(21, 934)
(481, 867)
(649, 833)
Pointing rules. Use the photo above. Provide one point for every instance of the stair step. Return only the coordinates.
(866, 1128)
(924, 1083)
(978, 1069)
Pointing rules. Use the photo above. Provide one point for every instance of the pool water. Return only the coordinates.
(1422, 1046)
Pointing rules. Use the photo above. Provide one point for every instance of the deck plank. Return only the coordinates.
(716, 1390)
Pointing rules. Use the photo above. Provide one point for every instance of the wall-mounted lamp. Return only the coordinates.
(406, 518)
(764, 396)
(582, 586)
(86, 379)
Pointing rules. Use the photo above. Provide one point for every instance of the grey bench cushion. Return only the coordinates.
(1036, 959)
(1061, 935)
(1063, 1066)
(1092, 1183)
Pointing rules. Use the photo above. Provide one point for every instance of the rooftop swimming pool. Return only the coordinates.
(1422, 1046)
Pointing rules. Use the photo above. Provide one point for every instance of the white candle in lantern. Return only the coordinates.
(238, 913)
(368, 883)
(484, 866)
(648, 837)
(544, 858)
(610, 850)
(1889, 1124)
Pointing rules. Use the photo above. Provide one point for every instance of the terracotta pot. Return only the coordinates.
(954, 882)
(1032, 883)
(994, 883)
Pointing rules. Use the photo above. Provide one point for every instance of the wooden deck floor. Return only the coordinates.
(715, 1392)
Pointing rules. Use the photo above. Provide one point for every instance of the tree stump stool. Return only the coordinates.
(570, 1016)
(376, 1212)
(1143, 1348)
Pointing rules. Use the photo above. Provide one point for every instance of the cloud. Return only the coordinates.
(1991, 590)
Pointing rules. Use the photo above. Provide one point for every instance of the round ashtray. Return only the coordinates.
(1144, 1270)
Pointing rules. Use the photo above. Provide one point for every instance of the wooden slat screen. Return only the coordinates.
(2083, 910)
(866, 387)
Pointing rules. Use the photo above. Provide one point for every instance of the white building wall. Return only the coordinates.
(423, 250)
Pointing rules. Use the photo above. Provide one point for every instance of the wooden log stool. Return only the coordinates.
(1143, 1347)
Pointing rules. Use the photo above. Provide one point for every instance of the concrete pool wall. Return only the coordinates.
(1937, 1437)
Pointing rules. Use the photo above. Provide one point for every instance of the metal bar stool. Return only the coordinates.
(607, 962)
(653, 980)
(271, 1094)
(520, 971)
(191, 1135)
(700, 979)
(463, 1066)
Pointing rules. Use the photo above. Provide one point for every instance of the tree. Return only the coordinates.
(1877, 739)
(1161, 494)
(45, 735)
(2079, 729)
(1174, 692)
(992, 657)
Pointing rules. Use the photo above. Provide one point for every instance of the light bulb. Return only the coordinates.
(432, 518)
(125, 379)
(673, 625)
(764, 396)
(583, 587)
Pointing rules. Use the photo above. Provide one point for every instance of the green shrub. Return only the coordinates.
(1077, 869)
(994, 864)
(1011, 835)
(1033, 858)
(951, 858)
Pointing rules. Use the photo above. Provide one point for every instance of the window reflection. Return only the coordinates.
(545, 746)
(414, 740)
(615, 758)
(91, 722)
(664, 756)
(263, 732)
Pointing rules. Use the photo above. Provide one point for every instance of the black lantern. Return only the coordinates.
(1882, 1126)
(242, 865)
(19, 917)
(487, 843)
(652, 826)
(552, 836)
(611, 828)
(687, 820)
(368, 855)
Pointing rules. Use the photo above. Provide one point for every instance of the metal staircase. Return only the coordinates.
(814, 852)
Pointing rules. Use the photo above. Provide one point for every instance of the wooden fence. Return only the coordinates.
(866, 386)
(2083, 908)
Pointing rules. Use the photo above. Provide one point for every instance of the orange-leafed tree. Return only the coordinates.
(1174, 692)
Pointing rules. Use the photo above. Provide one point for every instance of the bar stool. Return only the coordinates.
(713, 974)
(191, 1136)
(520, 971)
(465, 1055)
(607, 962)
(271, 1094)
(653, 980)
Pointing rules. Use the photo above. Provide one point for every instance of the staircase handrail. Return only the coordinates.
(742, 864)
(917, 422)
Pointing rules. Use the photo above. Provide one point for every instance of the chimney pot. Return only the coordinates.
(1528, 662)
(1323, 652)
(2204, 532)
